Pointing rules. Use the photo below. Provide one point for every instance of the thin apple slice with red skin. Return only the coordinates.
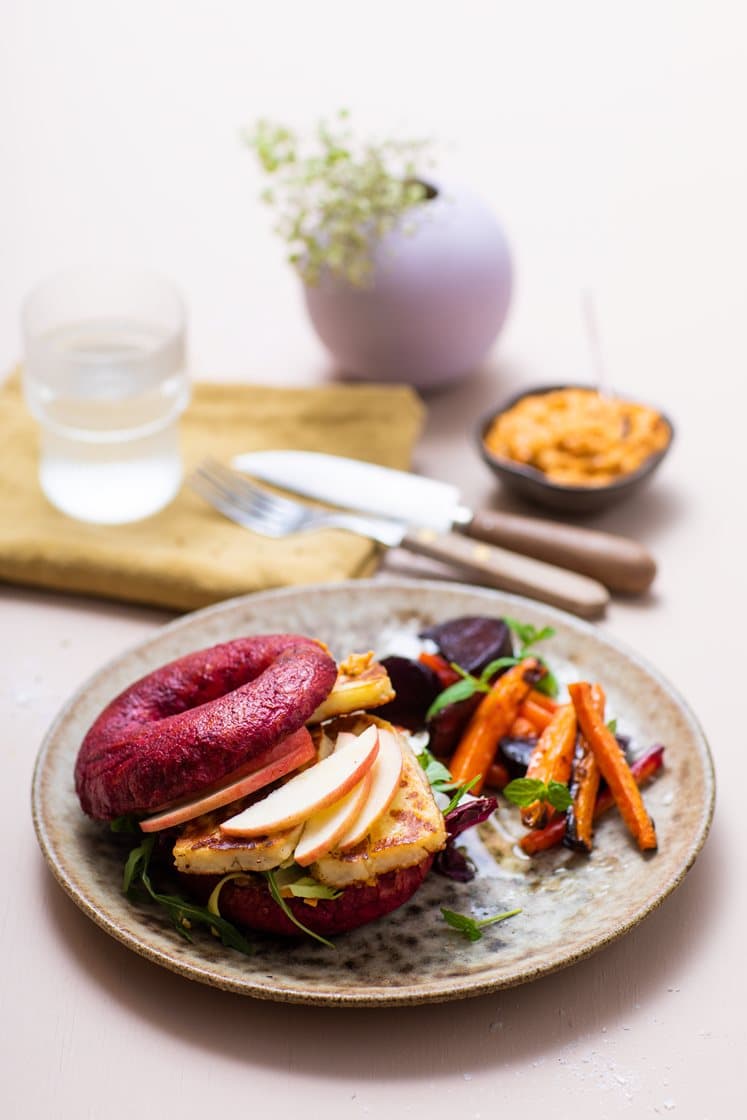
(281, 759)
(323, 829)
(308, 792)
(385, 776)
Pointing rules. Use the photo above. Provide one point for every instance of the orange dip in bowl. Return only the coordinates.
(578, 437)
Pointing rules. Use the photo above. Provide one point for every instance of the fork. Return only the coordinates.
(271, 515)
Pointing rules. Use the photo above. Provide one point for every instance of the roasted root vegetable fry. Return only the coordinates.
(541, 839)
(498, 776)
(613, 766)
(584, 787)
(522, 729)
(440, 666)
(536, 714)
(492, 720)
(542, 700)
(551, 760)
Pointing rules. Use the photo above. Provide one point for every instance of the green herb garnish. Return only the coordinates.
(461, 792)
(182, 912)
(525, 791)
(612, 726)
(438, 776)
(472, 927)
(528, 635)
(126, 823)
(277, 896)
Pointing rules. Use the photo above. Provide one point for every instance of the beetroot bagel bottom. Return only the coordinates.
(248, 902)
(194, 721)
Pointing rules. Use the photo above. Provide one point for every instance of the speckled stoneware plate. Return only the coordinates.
(571, 905)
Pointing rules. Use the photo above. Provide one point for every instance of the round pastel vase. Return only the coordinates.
(437, 299)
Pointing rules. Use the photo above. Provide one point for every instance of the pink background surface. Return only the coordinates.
(609, 142)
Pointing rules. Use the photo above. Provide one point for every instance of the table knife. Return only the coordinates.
(620, 563)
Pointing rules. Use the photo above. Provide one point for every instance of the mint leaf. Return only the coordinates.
(549, 683)
(525, 791)
(460, 690)
(439, 778)
(558, 795)
(499, 663)
(472, 927)
(527, 634)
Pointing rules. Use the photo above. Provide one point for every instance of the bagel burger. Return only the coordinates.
(282, 800)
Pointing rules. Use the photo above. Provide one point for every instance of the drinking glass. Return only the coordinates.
(105, 377)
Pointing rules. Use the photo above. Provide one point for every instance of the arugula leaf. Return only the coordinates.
(525, 791)
(308, 887)
(472, 927)
(182, 912)
(277, 897)
(461, 790)
(126, 823)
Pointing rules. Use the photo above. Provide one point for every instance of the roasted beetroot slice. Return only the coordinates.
(249, 903)
(472, 641)
(416, 687)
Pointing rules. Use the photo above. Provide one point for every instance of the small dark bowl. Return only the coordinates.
(533, 486)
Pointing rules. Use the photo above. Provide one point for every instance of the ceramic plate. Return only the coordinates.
(571, 905)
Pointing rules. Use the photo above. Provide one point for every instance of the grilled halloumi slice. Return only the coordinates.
(410, 829)
(202, 849)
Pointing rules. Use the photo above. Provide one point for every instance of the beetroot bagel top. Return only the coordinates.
(195, 720)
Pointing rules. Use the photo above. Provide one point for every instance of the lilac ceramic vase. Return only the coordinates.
(439, 296)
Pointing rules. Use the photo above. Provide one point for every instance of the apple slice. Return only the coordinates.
(385, 775)
(287, 755)
(323, 829)
(309, 791)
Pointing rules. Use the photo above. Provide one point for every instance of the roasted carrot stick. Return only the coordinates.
(542, 700)
(537, 715)
(440, 666)
(498, 776)
(522, 729)
(614, 767)
(551, 759)
(541, 839)
(490, 722)
(584, 787)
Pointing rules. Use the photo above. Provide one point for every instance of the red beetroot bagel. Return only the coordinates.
(249, 903)
(195, 720)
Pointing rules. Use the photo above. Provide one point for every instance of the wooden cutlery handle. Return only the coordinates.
(497, 567)
(618, 562)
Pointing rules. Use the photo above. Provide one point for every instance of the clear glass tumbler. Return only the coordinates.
(105, 376)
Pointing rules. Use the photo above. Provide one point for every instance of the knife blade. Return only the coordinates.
(620, 563)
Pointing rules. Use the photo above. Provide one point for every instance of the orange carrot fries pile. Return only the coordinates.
(575, 772)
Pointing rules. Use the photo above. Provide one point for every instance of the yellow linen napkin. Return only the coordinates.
(189, 555)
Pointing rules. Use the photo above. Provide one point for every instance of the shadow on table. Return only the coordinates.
(606, 993)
